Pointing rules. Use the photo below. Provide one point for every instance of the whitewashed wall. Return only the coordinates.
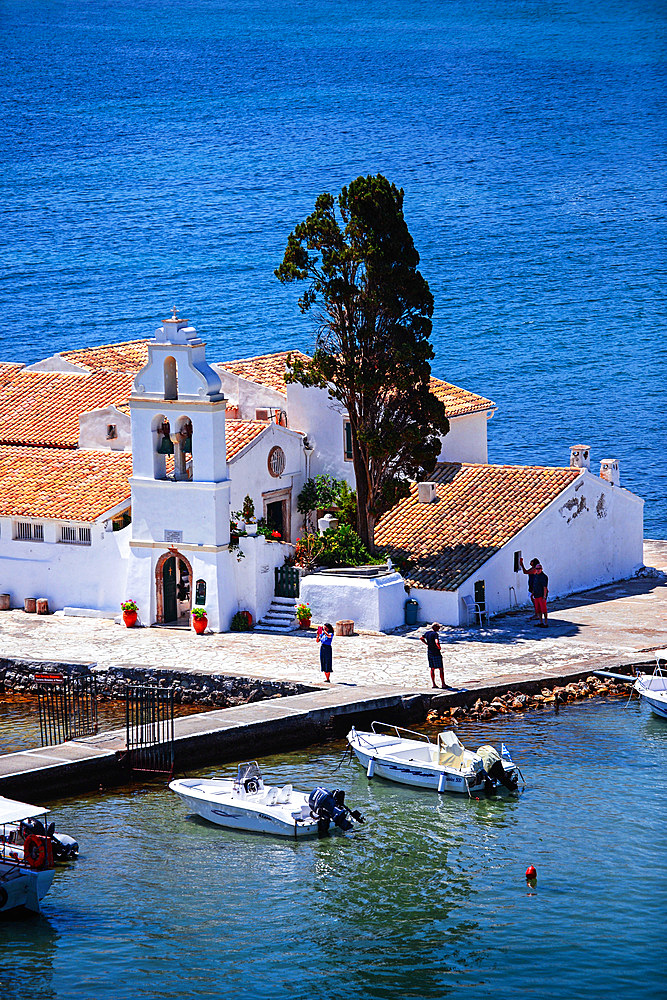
(375, 603)
(436, 606)
(93, 430)
(312, 412)
(254, 574)
(249, 471)
(249, 396)
(82, 576)
(467, 439)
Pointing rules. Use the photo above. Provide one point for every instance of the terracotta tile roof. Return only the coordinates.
(458, 401)
(127, 356)
(239, 433)
(8, 369)
(266, 369)
(43, 408)
(478, 510)
(70, 485)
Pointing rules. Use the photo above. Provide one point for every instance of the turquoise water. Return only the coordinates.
(427, 900)
(160, 152)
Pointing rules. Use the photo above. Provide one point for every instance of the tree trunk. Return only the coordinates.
(363, 499)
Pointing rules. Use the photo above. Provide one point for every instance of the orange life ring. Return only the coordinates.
(34, 851)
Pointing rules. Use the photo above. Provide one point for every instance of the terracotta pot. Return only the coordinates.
(30, 605)
(304, 622)
(200, 625)
(130, 618)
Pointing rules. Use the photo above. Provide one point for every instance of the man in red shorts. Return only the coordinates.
(540, 594)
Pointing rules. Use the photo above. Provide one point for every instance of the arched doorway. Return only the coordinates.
(173, 588)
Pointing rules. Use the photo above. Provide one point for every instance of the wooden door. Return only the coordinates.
(169, 590)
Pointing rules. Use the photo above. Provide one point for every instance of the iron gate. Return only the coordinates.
(149, 728)
(287, 581)
(67, 707)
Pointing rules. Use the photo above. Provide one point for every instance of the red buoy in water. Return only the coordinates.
(531, 872)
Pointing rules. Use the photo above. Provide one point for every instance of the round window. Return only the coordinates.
(276, 462)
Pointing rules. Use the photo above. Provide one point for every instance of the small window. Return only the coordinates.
(112, 432)
(347, 440)
(517, 561)
(276, 462)
(75, 536)
(84, 536)
(26, 531)
(68, 534)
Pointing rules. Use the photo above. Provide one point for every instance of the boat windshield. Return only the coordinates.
(375, 726)
(250, 769)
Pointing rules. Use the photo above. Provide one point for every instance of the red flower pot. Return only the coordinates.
(130, 618)
(200, 625)
(304, 622)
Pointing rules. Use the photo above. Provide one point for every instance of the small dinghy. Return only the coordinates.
(446, 766)
(652, 688)
(246, 803)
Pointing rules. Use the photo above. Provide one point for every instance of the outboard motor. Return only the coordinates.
(324, 805)
(64, 848)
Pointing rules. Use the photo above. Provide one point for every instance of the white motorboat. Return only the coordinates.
(411, 758)
(652, 688)
(26, 857)
(246, 803)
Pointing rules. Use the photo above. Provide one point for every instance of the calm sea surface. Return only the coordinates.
(160, 152)
(425, 901)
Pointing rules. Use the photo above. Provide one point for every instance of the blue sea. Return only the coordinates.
(158, 152)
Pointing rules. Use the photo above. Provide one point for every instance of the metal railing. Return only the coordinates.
(67, 707)
(149, 728)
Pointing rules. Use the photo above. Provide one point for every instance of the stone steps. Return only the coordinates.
(280, 617)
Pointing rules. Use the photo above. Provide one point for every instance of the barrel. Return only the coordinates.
(344, 627)
(30, 605)
(42, 606)
(5, 602)
(411, 609)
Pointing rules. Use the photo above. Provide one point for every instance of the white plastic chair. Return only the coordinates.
(472, 608)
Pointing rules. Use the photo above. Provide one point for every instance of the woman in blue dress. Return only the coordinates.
(325, 638)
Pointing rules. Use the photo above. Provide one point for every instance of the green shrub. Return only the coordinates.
(336, 547)
(241, 622)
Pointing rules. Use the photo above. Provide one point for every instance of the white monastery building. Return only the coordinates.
(121, 467)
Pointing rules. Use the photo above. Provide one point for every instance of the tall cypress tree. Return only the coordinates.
(373, 348)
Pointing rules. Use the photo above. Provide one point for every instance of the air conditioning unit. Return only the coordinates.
(426, 492)
(262, 414)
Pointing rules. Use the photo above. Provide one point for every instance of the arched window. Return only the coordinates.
(170, 378)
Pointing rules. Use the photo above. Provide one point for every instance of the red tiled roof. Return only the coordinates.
(9, 369)
(479, 508)
(266, 369)
(239, 433)
(458, 401)
(43, 408)
(126, 356)
(62, 484)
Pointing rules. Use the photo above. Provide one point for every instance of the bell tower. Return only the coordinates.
(180, 485)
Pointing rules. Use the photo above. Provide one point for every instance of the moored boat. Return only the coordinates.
(652, 688)
(410, 758)
(26, 856)
(246, 803)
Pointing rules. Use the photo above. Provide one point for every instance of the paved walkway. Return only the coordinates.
(621, 623)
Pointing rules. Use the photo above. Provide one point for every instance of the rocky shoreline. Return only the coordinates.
(519, 701)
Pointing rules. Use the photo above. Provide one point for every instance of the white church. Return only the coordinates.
(121, 467)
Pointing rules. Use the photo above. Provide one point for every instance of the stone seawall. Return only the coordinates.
(214, 690)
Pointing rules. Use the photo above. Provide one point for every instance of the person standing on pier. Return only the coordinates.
(531, 573)
(431, 640)
(325, 639)
(540, 593)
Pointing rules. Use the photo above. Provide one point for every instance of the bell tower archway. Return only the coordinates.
(173, 588)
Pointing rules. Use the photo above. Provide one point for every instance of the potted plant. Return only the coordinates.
(241, 622)
(304, 615)
(129, 609)
(199, 620)
(248, 513)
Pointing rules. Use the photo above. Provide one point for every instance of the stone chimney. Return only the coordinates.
(580, 456)
(426, 492)
(609, 470)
